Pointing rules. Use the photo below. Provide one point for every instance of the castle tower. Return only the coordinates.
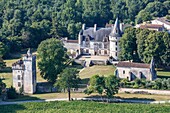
(29, 79)
(18, 73)
(114, 38)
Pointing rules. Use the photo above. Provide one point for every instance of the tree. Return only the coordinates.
(51, 58)
(165, 58)
(111, 86)
(2, 64)
(128, 45)
(154, 48)
(68, 79)
(141, 37)
(96, 85)
(100, 84)
(3, 49)
(2, 86)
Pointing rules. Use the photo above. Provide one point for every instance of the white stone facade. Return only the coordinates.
(24, 74)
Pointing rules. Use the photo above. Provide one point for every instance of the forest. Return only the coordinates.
(25, 23)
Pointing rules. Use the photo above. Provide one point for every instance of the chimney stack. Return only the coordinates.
(95, 27)
(83, 26)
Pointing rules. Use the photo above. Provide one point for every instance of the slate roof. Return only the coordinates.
(98, 35)
(132, 64)
(116, 29)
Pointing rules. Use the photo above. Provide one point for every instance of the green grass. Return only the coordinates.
(82, 95)
(84, 107)
(100, 70)
(163, 74)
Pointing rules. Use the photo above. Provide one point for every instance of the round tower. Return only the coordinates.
(114, 38)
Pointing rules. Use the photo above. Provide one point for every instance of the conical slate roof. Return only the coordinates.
(116, 29)
(29, 52)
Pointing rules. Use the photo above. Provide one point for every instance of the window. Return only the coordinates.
(123, 71)
(87, 51)
(19, 78)
(105, 52)
(116, 43)
(19, 84)
(116, 48)
(116, 53)
(100, 45)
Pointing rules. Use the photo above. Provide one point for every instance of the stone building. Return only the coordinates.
(101, 41)
(162, 21)
(155, 27)
(24, 74)
(131, 71)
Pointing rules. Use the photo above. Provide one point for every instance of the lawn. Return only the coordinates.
(84, 107)
(96, 69)
(163, 74)
(82, 95)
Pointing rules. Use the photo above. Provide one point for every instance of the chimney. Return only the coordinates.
(95, 27)
(83, 26)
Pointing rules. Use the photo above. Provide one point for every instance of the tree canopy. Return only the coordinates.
(142, 44)
(51, 58)
(26, 23)
(68, 79)
(100, 84)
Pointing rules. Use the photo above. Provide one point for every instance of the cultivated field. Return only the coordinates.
(84, 107)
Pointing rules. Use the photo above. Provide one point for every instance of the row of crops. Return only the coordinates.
(84, 107)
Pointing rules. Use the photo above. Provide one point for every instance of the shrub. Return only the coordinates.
(136, 86)
(11, 93)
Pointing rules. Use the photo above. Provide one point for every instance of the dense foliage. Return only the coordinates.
(11, 93)
(2, 86)
(142, 45)
(68, 79)
(85, 107)
(100, 84)
(51, 58)
(25, 23)
(159, 84)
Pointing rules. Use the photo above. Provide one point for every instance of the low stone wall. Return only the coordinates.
(144, 91)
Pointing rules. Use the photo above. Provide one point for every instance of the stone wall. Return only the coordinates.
(144, 91)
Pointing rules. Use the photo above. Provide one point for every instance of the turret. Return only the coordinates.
(114, 38)
(116, 32)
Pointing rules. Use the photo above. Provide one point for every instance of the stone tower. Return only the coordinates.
(18, 73)
(114, 38)
(24, 73)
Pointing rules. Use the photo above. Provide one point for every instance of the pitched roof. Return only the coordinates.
(164, 20)
(155, 26)
(98, 35)
(132, 64)
(72, 41)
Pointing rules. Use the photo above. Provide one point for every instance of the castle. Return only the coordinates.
(24, 74)
(97, 41)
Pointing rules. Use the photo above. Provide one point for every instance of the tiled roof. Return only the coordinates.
(132, 64)
(164, 20)
(156, 26)
(72, 41)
